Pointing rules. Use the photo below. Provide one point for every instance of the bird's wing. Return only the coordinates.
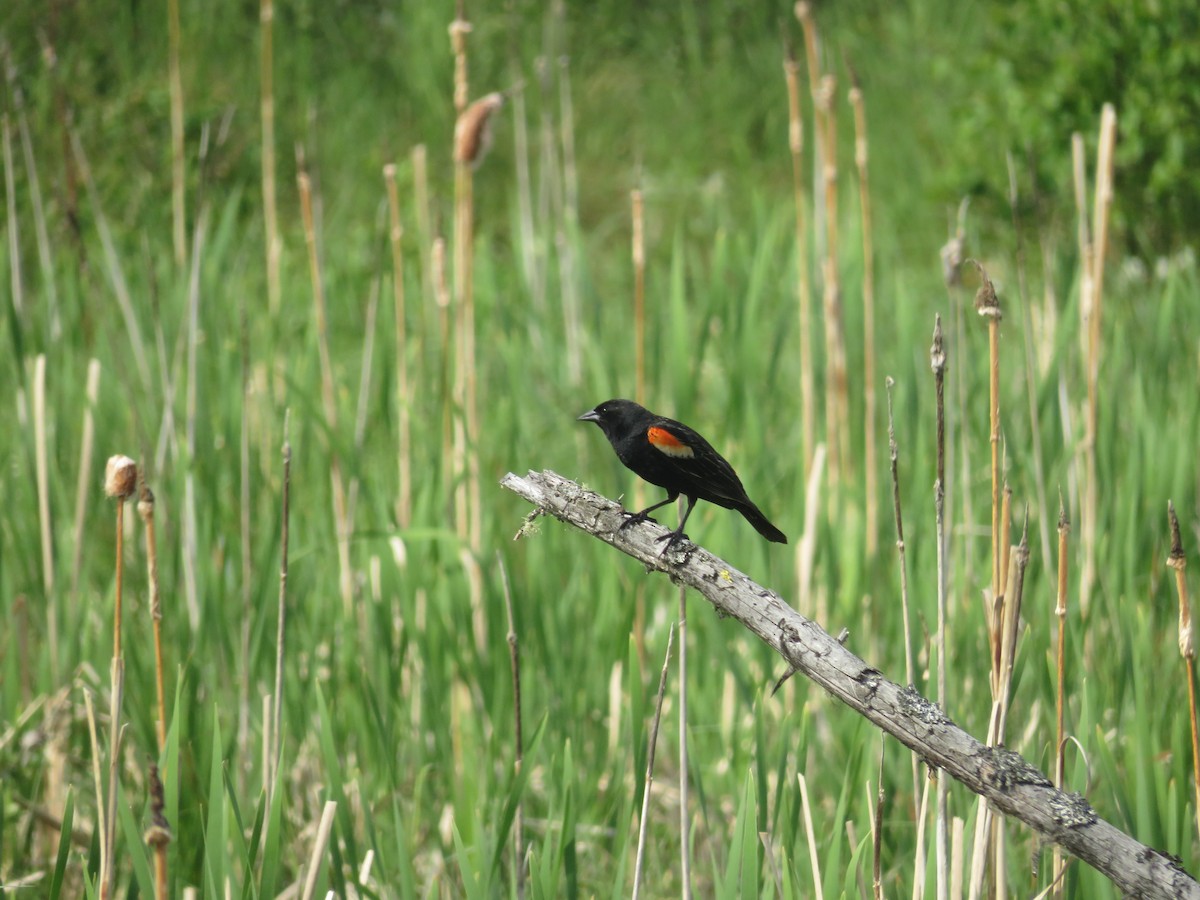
(712, 477)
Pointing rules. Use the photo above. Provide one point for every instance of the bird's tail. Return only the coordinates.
(755, 517)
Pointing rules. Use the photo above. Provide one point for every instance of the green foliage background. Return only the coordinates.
(400, 706)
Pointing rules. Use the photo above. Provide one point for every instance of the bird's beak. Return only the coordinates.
(590, 416)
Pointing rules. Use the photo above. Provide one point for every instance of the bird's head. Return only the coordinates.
(617, 417)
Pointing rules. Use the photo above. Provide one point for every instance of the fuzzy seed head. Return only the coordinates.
(473, 131)
(120, 477)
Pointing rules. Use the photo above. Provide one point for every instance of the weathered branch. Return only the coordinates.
(1003, 777)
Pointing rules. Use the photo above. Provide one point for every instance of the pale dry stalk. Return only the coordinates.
(178, 186)
(1060, 611)
(328, 397)
(1177, 560)
(868, 296)
(266, 17)
(403, 396)
(649, 780)
(791, 71)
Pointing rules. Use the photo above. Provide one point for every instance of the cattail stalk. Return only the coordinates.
(145, 509)
(643, 825)
(823, 88)
(1094, 261)
(83, 484)
(1187, 647)
(864, 198)
(320, 844)
(685, 829)
(639, 296)
(937, 362)
(41, 464)
(403, 397)
(837, 402)
(810, 832)
(14, 241)
(329, 399)
(120, 482)
(1086, 310)
(1060, 611)
(987, 305)
(178, 209)
(791, 71)
(281, 630)
(266, 16)
(514, 659)
(1035, 431)
(158, 835)
(901, 550)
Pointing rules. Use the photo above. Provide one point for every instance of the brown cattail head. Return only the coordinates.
(473, 132)
(120, 477)
(987, 304)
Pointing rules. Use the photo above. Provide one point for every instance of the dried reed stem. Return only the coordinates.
(823, 88)
(191, 550)
(441, 300)
(266, 17)
(41, 464)
(281, 630)
(1094, 260)
(1039, 474)
(937, 362)
(987, 305)
(101, 827)
(514, 659)
(1187, 647)
(158, 835)
(1086, 309)
(685, 830)
(145, 509)
(1060, 611)
(864, 197)
(649, 781)
(120, 482)
(329, 399)
(403, 396)
(116, 734)
(14, 241)
(791, 71)
(810, 833)
(837, 400)
(84, 481)
(877, 830)
(324, 829)
(901, 551)
(178, 210)
(639, 295)
(244, 527)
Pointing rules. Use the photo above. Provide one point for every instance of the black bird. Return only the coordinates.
(674, 457)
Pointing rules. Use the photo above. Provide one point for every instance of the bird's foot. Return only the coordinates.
(672, 539)
(636, 519)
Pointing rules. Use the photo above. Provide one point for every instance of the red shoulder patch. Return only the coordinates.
(669, 444)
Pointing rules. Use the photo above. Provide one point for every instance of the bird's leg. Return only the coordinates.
(677, 536)
(644, 516)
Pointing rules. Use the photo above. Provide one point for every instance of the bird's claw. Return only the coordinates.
(635, 519)
(672, 539)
